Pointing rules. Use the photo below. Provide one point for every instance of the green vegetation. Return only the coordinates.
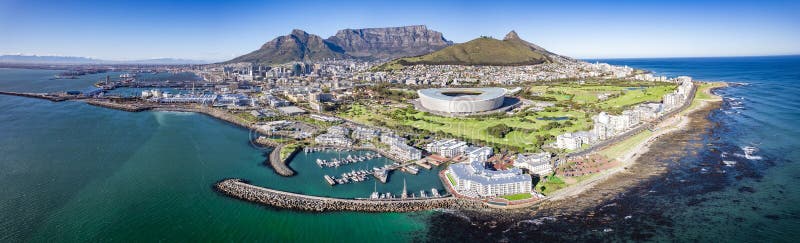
(550, 184)
(288, 150)
(616, 96)
(452, 181)
(499, 130)
(480, 51)
(247, 116)
(520, 196)
(573, 106)
(633, 97)
(620, 148)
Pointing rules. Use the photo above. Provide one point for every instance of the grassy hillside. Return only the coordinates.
(480, 51)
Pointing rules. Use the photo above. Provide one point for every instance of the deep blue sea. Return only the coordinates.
(72, 172)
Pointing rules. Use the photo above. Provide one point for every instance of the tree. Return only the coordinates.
(499, 130)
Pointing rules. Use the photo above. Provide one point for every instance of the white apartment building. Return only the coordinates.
(538, 163)
(479, 154)
(474, 180)
(448, 148)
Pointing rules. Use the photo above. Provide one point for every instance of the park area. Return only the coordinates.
(523, 131)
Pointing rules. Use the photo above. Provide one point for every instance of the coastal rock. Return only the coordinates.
(237, 188)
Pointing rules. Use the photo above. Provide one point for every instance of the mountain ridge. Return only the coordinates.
(366, 43)
(511, 51)
(52, 59)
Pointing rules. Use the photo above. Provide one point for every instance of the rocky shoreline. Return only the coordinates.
(237, 188)
(650, 165)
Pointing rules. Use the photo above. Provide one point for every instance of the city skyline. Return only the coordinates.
(219, 31)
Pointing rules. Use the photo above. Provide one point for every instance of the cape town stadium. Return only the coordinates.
(461, 100)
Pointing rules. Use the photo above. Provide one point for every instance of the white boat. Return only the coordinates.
(434, 192)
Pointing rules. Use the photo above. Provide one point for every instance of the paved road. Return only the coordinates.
(636, 129)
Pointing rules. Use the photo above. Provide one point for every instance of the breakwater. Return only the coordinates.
(130, 107)
(277, 163)
(237, 188)
(45, 96)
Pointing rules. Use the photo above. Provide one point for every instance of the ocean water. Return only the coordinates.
(715, 192)
(75, 172)
(752, 198)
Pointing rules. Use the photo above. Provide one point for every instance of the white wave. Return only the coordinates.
(749, 153)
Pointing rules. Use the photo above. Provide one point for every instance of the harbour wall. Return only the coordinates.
(237, 188)
(45, 96)
(278, 164)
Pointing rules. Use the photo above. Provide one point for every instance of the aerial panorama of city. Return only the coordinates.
(161, 121)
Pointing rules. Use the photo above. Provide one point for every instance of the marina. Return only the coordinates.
(350, 159)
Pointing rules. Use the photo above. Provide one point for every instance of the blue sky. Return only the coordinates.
(217, 30)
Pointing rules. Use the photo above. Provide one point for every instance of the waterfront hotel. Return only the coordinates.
(475, 180)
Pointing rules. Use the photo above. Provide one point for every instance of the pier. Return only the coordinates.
(237, 188)
(336, 162)
(44, 96)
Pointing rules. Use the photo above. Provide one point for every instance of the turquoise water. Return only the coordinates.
(74, 172)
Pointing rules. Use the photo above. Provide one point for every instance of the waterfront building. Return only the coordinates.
(390, 138)
(339, 130)
(275, 101)
(325, 118)
(683, 79)
(329, 139)
(536, 164)
(363, 133)
(568, 141)
(405, 151)
(475, 180)
(479, 154)
(233, 100)
(291, 110)
(189, 98)
(671, 101)
(448, 147)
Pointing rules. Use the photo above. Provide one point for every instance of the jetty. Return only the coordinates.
(240, 189)
(350, 159)
(44, 96)
(129, 107)
(277, 163)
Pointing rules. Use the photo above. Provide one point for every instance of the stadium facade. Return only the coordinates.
(461, 100)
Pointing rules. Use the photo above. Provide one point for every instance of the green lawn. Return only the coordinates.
(633, 97)
(247, 116)
(452, 181)
(620, 148)
(527, 127)
(553, 184)
(524, 134)
(289, 149)
(514, 197)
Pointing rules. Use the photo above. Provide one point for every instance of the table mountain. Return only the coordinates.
(391, 42)
(371, 43)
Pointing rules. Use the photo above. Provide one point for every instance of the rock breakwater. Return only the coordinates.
(237, 188)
